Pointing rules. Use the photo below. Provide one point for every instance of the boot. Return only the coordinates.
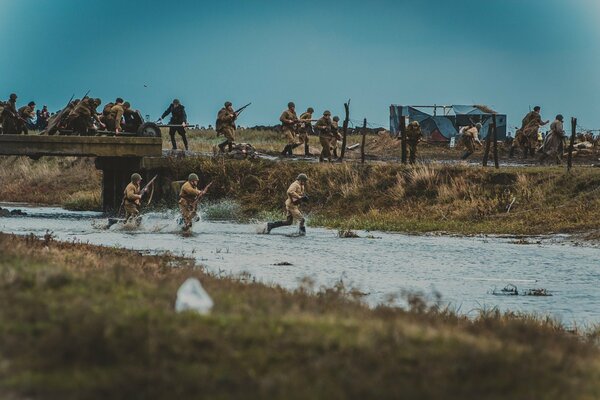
(286, 150)
(222, 146)
(276, 224)
(302, 230)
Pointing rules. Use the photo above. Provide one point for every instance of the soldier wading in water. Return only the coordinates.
(189, 196)
(295, 196)
(132, 199)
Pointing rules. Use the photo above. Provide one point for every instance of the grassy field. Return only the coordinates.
(84, 322)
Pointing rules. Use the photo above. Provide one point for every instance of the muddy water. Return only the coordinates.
(463, 270)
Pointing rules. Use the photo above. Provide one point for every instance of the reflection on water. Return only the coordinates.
(463, 270)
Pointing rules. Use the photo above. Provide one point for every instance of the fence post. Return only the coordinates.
(495, 139)
(571, 143)
(362, 146)
(345, 129)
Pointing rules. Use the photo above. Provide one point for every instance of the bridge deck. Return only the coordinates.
(89, 146)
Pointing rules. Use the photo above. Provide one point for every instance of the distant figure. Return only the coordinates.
(42, 118)
(10, 116)
(26, 113)
(226, 126)
(178, 117)
(295, 195)
(470, 136)
(289, 122)
(113, 114)
(305, 129)
(554, 143)
(324, 126)
(530, 126)
(413, 137)
(335, 135)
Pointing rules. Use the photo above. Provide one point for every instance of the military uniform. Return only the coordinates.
(187, 203)
(82, 116)
(25, 113)
(113, 119)
(324, 126)
(226, 126)
(289, 120)
(305, 129)
(178, 117)
(9, 117)
(553, 144)
(413, 136)
(335, 136)
(469, 137)
(132, 200)
(295, 194)
(530, 127)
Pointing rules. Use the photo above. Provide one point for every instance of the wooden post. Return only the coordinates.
(488, 142)
(571, 143)
(495, 139)
(345, 129)
(403, 137)
(362, 146)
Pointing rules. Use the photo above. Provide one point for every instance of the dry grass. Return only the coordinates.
(81, 321)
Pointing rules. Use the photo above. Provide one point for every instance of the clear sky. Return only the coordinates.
(509, 54)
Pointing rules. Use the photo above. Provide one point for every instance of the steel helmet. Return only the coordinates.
(327, 112)
(291, 104)
(193, 177)
(228, 104)
(136, 177)
(478, 125)
(302, 177)
(415, 123)
(336, 118)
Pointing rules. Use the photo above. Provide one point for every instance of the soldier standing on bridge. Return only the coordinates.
(178, 117)
(83, 115)
(10, 116)
(26, 113)
(226, 126)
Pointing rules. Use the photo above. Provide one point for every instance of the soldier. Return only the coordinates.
(42, 118)
(553, 144)
(178, 117)
(188, 200)
(413, 136)
(295, 195)
(323, 127)
(132, 198)
(530, 127)
(305, 128)
(226, 125)
(114, 115)
(335, 135)
(289, 122)
(10, 116)
(470, 136)
(25, 114)
(82, 116)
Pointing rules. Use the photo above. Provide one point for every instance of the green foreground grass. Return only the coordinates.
(85, 322)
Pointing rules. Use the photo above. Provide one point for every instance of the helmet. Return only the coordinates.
(291, 104)
(336, 118)
(175, 101)
(415, 123)
(119, 100)
(478, 125)
(13, 96)
(559, 117)
(193, 177)
(228, 104)
(136, 177)
(310, 110)
(302, 177)
(327, 112)
(97, 101)
(126, 104)
(31, 103)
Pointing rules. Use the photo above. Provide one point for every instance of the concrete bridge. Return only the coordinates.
(117, 157)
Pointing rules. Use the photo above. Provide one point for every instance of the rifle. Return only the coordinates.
(199, 196)
(239, 110)
(147, 187)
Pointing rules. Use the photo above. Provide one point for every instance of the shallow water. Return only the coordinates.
(464, 270)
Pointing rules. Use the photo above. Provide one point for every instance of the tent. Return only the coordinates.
(441, 128)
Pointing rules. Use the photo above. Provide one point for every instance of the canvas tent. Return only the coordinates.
(441, 123)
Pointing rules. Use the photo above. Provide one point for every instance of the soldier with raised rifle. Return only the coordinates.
(324, 127)
(132, 198)
(226, 126)
(178, 117)
(296, 194)
(189, 196)
(289, 122)
(305, 128)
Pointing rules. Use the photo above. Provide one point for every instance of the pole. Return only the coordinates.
(403, 136)
(571, 143)
(362, 146)
(488, 142)
(495, 139)
(345, 129)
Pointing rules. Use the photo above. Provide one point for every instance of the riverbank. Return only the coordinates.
(456, 199)
(93, 322)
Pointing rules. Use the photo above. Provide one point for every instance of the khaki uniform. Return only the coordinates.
(9, 118)
(305, 127)
(226, 124)
(554, 143)
(413, 136)
(294, 194)
(25, 113)
(324, 126)
(530, 127)
(288, 120)
(132, 202)
(187, 198)
(80, 118)
(113, 119)
(335, 136)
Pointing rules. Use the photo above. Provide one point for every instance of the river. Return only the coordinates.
(464, 270)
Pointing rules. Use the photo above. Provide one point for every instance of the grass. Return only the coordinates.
(86, 322)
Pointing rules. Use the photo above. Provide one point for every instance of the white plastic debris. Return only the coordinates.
(192, 296)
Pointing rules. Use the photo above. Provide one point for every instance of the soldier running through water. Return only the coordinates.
(226, 126)
(189, 195)
(295, 195)
(132, 198)
(178, 117)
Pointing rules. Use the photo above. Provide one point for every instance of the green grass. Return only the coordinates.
(85, 322)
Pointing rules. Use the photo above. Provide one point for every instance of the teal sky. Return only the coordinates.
(509, 54)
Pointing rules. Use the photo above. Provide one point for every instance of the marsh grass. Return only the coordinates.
(82, 321)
